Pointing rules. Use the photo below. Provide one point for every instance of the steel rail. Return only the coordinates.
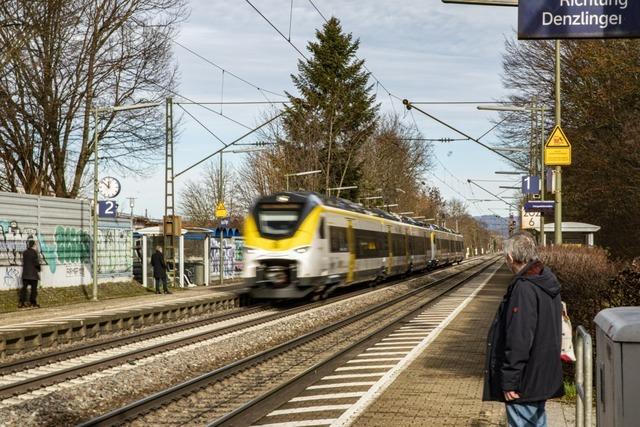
(231, 417)
(175, 392)
(152, 331)
(29, 384)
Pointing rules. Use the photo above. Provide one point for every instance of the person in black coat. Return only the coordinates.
(159, 270)
(523, 366)
(30, 275)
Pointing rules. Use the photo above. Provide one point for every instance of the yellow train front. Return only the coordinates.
(303, 244)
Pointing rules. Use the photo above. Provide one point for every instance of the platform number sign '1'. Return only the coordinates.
(107, 209)
(530, 185)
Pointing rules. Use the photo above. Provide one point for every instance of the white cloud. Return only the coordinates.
(419, 49)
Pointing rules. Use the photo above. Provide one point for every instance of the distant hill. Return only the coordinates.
(495, 224)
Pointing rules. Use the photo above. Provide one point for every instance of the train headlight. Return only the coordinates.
(249, 251)
(303, 249)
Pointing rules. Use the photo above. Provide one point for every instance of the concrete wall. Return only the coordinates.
(63, 231)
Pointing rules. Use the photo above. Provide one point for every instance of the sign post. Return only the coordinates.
(574, 19)
(221, 213)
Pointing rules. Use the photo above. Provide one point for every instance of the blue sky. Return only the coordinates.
(422, 50)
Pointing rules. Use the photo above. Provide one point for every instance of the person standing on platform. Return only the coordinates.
(30, 275)
(159, 270)
(523, 365)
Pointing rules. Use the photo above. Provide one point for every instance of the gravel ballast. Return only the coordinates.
(87, 397)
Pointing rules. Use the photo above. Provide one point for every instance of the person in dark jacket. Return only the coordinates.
(30, 275)
(159, 270)
(523, 366)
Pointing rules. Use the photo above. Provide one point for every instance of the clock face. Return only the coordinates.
(109, 187)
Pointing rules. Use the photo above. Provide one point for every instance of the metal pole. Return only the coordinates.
(287, 177)
(543, 238)
(558, 209)
(578, 380)
(584, 377)
(95, 204)
(220, 196)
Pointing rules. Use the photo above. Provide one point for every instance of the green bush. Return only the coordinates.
(586, 276)
(625, 287)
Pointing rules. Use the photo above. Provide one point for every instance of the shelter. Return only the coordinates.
(573, 233)
(192, 257)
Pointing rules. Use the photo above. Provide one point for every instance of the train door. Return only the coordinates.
(323, 248)
(389, 252)
(408, 250)
(351, 241)
(434, 252)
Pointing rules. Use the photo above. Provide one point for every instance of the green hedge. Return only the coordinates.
(54, 296)
(585, 275)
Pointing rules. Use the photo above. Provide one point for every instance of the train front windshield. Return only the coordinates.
(278, 220)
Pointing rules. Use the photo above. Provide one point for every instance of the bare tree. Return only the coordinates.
(393, 162)
(70, 57)
(199, 198)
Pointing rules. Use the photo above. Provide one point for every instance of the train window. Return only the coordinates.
(398, 245)
(321, 229)
(278, 220)
(338, 238)
(368, 244)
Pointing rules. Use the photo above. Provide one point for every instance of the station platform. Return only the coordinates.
(443, 385)
(33, 329)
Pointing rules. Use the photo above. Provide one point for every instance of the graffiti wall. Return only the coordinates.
(61, 229)
(233, 261)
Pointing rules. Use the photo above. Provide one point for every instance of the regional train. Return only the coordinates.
(302, 244)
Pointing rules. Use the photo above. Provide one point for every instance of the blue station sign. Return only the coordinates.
(107, 209)
(539, 206)
(574, 19)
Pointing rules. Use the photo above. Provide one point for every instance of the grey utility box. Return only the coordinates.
(618, 367)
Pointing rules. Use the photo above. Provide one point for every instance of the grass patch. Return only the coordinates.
(570, 393)
(57, 296)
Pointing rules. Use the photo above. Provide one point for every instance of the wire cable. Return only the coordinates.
(277, 30)
(201, 124)
(173, 92)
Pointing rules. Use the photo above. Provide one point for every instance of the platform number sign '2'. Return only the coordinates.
(107, 209)
(530, 185)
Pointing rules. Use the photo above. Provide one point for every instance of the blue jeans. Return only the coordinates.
(526, 414)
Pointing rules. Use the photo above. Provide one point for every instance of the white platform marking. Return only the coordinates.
(382, 359)
(340, 385)
(347, 376)
(384, 353)
(381, 385)
(308, 409)
(304, 423)
(329, 396)
(358, 368)
(400, 347)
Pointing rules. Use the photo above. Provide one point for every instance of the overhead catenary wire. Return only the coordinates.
(409, 105)
(277, 30)
(228, 145)
(219, 67)
(201, 124)
(173, 92)
(222, 69)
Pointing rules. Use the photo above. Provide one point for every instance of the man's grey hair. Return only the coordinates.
(521, 247)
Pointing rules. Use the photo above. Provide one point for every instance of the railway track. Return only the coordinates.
(228, 393)
(27, 375)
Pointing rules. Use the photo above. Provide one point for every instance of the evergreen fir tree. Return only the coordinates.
(335, 111)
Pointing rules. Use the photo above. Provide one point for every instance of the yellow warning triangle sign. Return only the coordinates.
(221, 212)
(557, 139)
